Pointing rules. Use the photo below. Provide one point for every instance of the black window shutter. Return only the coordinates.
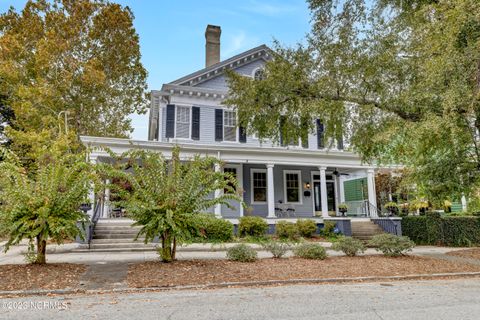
(320, 135)
(304, 132)
(170, 130)
(340, 142)
(218, 124)
(280, 125)
(242, 135)
(195, 123)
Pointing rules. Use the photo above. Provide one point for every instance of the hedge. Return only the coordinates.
(433, 229)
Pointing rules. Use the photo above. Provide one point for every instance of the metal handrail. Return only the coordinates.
(94, 220)
(371, 210)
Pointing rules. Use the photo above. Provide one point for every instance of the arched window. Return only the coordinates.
(259, 74)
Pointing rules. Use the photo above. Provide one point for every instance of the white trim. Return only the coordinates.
(252, 170)
(300, 196)
(312, 190)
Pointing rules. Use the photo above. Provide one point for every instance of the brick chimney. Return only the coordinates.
(212, 45)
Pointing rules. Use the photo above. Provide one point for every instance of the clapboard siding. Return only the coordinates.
(220, 82)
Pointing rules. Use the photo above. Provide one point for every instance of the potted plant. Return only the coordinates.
(343, 208)
(392, 207)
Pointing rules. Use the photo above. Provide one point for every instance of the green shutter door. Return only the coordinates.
(355, 190)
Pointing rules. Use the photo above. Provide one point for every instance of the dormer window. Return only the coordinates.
(259, 74)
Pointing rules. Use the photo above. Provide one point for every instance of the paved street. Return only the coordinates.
(446, 299)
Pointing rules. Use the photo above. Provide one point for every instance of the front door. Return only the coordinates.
(330, 196)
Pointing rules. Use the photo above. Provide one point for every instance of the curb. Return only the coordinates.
(44, 292)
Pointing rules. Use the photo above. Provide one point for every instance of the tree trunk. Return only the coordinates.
(166, 253)
(41, 250)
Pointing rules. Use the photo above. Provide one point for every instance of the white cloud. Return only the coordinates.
(238, 42)
(270, 9)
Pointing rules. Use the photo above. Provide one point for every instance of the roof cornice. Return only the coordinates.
(260, 52)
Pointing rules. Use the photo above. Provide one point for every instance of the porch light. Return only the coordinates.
(307, 185)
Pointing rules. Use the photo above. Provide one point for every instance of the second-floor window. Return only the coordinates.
(182, 122)
(229, 126)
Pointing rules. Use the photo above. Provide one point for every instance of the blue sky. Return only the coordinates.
(172, 33)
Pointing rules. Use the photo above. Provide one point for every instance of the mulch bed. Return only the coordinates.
(198, 272)
(473, 253)
(48, 276)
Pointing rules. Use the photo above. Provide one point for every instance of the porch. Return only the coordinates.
(274, 182)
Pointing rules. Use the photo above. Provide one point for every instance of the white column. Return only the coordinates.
(372, 197)
(464, 203)
(337, 192)
(218, 193)
(240, 186)
(91, 194)
(106, 206)
(342, 190)
(323, 191)
(270, 192)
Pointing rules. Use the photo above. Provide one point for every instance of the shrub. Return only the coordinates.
(306, 228)
(252, 226)
(328, 228)
(415, 228)
(277, 248)
(391, 245)
(286, 230)
(311, 251)
(460, 231)
(242, 253)
(350, 246)
(212, 229)
(447, 230)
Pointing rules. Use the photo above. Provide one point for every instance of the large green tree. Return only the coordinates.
(166, 194)
(44, 204)
(80, 56)
(399, 78)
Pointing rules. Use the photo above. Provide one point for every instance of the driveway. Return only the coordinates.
(443, 299)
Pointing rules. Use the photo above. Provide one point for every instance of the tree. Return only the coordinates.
(79, 56)
(399, 78)
(44, 204)
(165, 195)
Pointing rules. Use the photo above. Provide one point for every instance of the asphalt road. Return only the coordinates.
(445, 299)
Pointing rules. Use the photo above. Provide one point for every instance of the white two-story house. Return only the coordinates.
(302, 180)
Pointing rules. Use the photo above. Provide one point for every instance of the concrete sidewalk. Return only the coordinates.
(64, 253)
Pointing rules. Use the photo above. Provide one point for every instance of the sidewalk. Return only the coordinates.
(64, 254)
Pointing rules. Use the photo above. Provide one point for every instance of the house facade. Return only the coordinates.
(304, 179)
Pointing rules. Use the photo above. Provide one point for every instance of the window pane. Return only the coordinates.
(183, 122)
(229, 126)
(233, 172)
(292, 187)
(259, 185)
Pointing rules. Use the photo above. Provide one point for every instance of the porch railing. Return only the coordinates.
(362, 208)
(93, 222)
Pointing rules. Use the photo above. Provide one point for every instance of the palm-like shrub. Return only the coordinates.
(165, 195)
(43, 204)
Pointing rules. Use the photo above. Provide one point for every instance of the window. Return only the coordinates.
(259, 74)
(182, 122)
(259, 185)
(292, 186)
(229, 126)
(233, 172)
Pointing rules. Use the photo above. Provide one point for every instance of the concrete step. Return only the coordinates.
(116, 228)
(114, 236)
(131, 245)
(144, 249)
(117, 240)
